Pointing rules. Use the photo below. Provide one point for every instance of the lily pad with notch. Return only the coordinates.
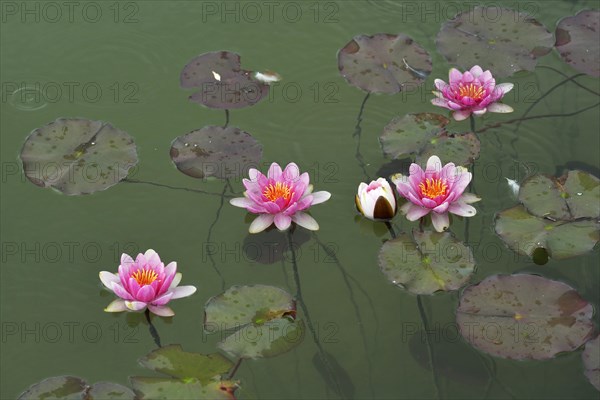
(424, 134)
(384, 63)
(214, 151)
(78, 156)
(577, 41)
(426, 262)
(262, 317)
(499, 39)
(74, 388)
(524, 317)
(151, 388)
(222, 82)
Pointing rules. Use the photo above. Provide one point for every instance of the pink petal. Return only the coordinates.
(442, 208)
(145, 294)
(454, 76)
(170, 272)
(175, 281)
(126, 260)
(242, 202)
(499, 108)
(461, 115)
(440, 84)
(162, 300)
(291, 172)
(116, 306)
(183, 291)
(480, 112)
(274, 172)
(161, 311)
(254, 174)
(282, 221)
(469, 198)
(441, 222)
(462, 209)
(133, 286)
(467, 77)
(434, 164)
(455, 106)
(486, 77)
(107, 278)
(414, 212)
(320, 197)
(121, 292)
(305, 221)
(429, 203)
(135, 305)
(152, 258)
(505, 87)
(476, 71)
(261, 223)
(440, 103)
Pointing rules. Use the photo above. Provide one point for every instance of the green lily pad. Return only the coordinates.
(217, 152)
(423, 135)
(525, 233)
(459, 148)
(499, 39)
(267, 340)
(384, 63)
(591, 361)
(222, 82)
(109, 391)
(524, 317)
(574, 195)
(74, 388)
(58, 387)
(577, 41)
(426, 262)
(173, 361)
(263, 318)
(78, 156)
(148, 388)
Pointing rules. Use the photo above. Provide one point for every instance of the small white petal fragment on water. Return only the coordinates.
(513, 186)
(267, 76)
(217, 76)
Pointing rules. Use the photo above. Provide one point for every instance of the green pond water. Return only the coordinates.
(120, 62)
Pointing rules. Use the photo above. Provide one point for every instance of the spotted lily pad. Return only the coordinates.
(217, 152)
(78, 156)
(173, 361)
(262, 318)
(591, 361)
(577, 41)
(526, 234)
(149, 388)
(499, 39)
(423, 135)
(384, 63)
(222, 81)
(524, 317)
(426, 262)
(574, 195)
(74, 388)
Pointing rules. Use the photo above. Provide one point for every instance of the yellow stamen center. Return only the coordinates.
(433, 188)
(472, 91)
(144, 276)
(278, 191)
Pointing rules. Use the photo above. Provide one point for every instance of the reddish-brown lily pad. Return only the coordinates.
(577, 41)
(384, 63)
(217, 152)
(524, 317)
(222, 81)
(499, 39)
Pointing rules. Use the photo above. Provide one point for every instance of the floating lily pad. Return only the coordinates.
(499, 39)
(524, 317)
(574, 195)
(265, 340)
(384, 63)
(591, 361)
(426, 262)
(78, 156)
(423, 135)
(459, 148)
(577, 41)
(109, 391)
(173, 361)
(222, 81)
(217, 152)
(148, 388)
(525, 233)
(74, 388)
(264, 317)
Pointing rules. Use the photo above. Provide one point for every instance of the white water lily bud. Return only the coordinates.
(376, 200)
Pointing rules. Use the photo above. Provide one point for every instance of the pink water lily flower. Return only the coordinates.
(437, 190)
(280, 197)
(474, 92)
(145, 282)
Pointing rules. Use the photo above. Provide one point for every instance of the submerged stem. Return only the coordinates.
(390, 229)
(209, 235)
(235, 368)
(357, 134)
(429, 348)
(127, 180)
(152, 329)
(226, 118)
